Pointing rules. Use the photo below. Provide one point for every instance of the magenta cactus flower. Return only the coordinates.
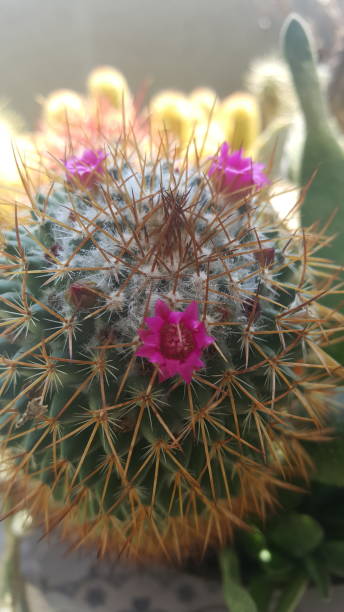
(231, 172)
(87, 167)
(174, 341)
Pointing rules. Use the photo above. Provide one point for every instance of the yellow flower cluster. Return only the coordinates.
(200, 121)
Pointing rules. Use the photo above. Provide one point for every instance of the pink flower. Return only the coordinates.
(232, 172)
(174, 341)
(86, 168)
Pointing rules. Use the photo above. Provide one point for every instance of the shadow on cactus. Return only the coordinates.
(162, 352)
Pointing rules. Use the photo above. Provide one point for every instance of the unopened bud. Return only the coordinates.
(265, 257)
(82, 296)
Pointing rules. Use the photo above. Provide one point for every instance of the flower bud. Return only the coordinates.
(82, 296)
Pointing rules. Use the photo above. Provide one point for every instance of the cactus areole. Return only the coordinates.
(161, 353)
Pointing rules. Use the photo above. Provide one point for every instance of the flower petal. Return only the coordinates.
(175, 317)
(155, 348)
(162, 310)
(155, 323)
(190, 315)
(233, 172)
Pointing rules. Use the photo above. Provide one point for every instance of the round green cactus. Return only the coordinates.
(98, 435)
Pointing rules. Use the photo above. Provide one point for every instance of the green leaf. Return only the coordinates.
(328, 458)
(252, 541)
(278, 567)
(317, 570)
(296, 534)
(289, 500)
(292, 594)
(334, 554)
(333, 517)
(236, 596)
(261, 589)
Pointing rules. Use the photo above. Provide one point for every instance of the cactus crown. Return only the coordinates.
(150, 467)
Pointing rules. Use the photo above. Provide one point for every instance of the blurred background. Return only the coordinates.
(47, 44)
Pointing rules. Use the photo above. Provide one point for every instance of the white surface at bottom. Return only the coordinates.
(77, 582)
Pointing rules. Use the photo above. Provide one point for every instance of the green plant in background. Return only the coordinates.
(323, 154)
(323, 157)
(273, 564)
(239, 116)
(304, 543)
(336, 87)
(269, 81)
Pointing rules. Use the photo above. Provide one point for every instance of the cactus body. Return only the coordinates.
(92, 440)
(63, 105)
(270, 83)
(240, 118)
(206, 99)
(175, 114)
(108, 83)
(323, 157)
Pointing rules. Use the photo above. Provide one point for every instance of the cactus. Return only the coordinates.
(10, 184)
(323, 157)
(175, 114)
(270, 148)
(268, 80)
(108, 83)
(63, 105)
(206, 99)
(240, 119)
(161, 348)
(336, 88)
